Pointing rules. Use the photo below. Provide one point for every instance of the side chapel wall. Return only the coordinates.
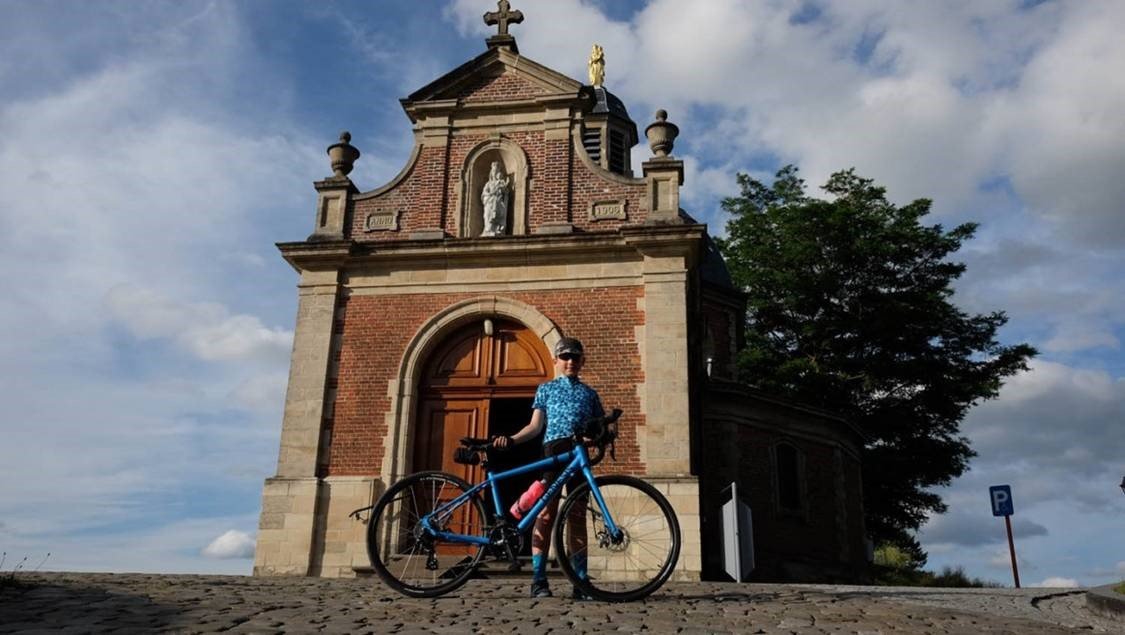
(825, 539)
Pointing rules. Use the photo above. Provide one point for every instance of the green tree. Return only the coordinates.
(850, 309)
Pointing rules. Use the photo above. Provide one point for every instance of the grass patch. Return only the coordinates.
(1120, 588)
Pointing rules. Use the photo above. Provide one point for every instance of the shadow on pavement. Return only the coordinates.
(37, 605)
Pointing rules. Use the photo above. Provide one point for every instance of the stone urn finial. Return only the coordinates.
(661, 135)
(343, 155)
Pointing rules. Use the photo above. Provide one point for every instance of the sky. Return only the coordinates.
(152, 153)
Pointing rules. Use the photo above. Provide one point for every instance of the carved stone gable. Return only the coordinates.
(497, 71)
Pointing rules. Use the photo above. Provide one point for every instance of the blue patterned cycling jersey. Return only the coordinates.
(568, 403)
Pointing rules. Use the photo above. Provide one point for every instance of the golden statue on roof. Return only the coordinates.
(596, 66)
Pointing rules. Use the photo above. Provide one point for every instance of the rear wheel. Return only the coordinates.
(408, 558)
(627, 565)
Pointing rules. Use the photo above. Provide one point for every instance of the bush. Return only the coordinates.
(897, 566)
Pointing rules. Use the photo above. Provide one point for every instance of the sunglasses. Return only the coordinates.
(566, 357)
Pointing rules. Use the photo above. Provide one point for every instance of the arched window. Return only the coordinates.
(789, 464)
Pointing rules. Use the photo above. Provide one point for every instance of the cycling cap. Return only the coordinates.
(568, 345)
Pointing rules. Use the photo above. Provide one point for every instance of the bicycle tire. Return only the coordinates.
(402, 556)
(628, 569)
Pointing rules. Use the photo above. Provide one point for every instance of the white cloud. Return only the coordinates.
(170, 547)
(1067, 138)
(1055, 582)
(563, 49)
(1061, 422)
(130, 187)
(261, 393)
(231, 544)
(1080, 336)
(1001, 560)
(204, 329)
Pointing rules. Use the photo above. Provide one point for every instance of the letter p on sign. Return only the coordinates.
(1001, 500)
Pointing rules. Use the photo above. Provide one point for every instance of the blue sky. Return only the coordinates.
(151, 153)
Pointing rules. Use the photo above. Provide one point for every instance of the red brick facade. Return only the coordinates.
(564, 187)
(374, 332)
(425, 197)
(503, 87)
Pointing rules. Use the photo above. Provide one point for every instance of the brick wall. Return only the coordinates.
(563, 185)
(564, 188)
(788, 547)
(717, 319)
(589, 187)
(503, 87)
(374, 332)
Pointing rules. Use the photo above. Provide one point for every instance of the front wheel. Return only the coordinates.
(626, 565)
(407, 557)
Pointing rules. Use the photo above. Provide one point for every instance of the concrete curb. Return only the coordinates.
(1106, 602)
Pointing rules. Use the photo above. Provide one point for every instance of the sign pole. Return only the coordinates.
(1012, 550)
(1001, 496)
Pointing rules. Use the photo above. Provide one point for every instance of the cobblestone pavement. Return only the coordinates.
(137, 603)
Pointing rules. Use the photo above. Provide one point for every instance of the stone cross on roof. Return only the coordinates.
(503, 18)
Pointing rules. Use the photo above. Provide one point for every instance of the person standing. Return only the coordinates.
(561, 406)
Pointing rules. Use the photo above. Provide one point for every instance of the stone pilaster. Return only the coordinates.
(663, 178)
(285, 531)
(343, 540)
(289, 500)
(308, 374)
(665, 362)
(332, 203)
(683, 494)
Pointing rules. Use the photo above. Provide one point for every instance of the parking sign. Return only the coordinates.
(1001, 500)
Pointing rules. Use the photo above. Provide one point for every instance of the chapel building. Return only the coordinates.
(428, 307)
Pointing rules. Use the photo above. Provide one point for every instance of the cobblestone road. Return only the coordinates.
(80, 603)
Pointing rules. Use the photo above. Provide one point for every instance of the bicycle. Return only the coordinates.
(428, 533)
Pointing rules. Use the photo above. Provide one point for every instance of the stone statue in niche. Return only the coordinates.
(494, 198)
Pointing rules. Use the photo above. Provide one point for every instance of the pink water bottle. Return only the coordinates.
(527, 500)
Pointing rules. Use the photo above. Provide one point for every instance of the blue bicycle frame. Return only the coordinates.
(576, 461)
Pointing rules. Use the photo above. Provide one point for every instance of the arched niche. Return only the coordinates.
(474, 174)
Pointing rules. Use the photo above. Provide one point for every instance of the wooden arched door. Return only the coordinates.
(477, 385)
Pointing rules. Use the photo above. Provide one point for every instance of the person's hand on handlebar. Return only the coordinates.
(528, 432)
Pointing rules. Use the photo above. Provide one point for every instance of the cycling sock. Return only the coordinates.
(578, 562)
(539, 567)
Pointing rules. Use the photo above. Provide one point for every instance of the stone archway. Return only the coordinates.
(404, 391)
(465, 384)
(478, 382)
